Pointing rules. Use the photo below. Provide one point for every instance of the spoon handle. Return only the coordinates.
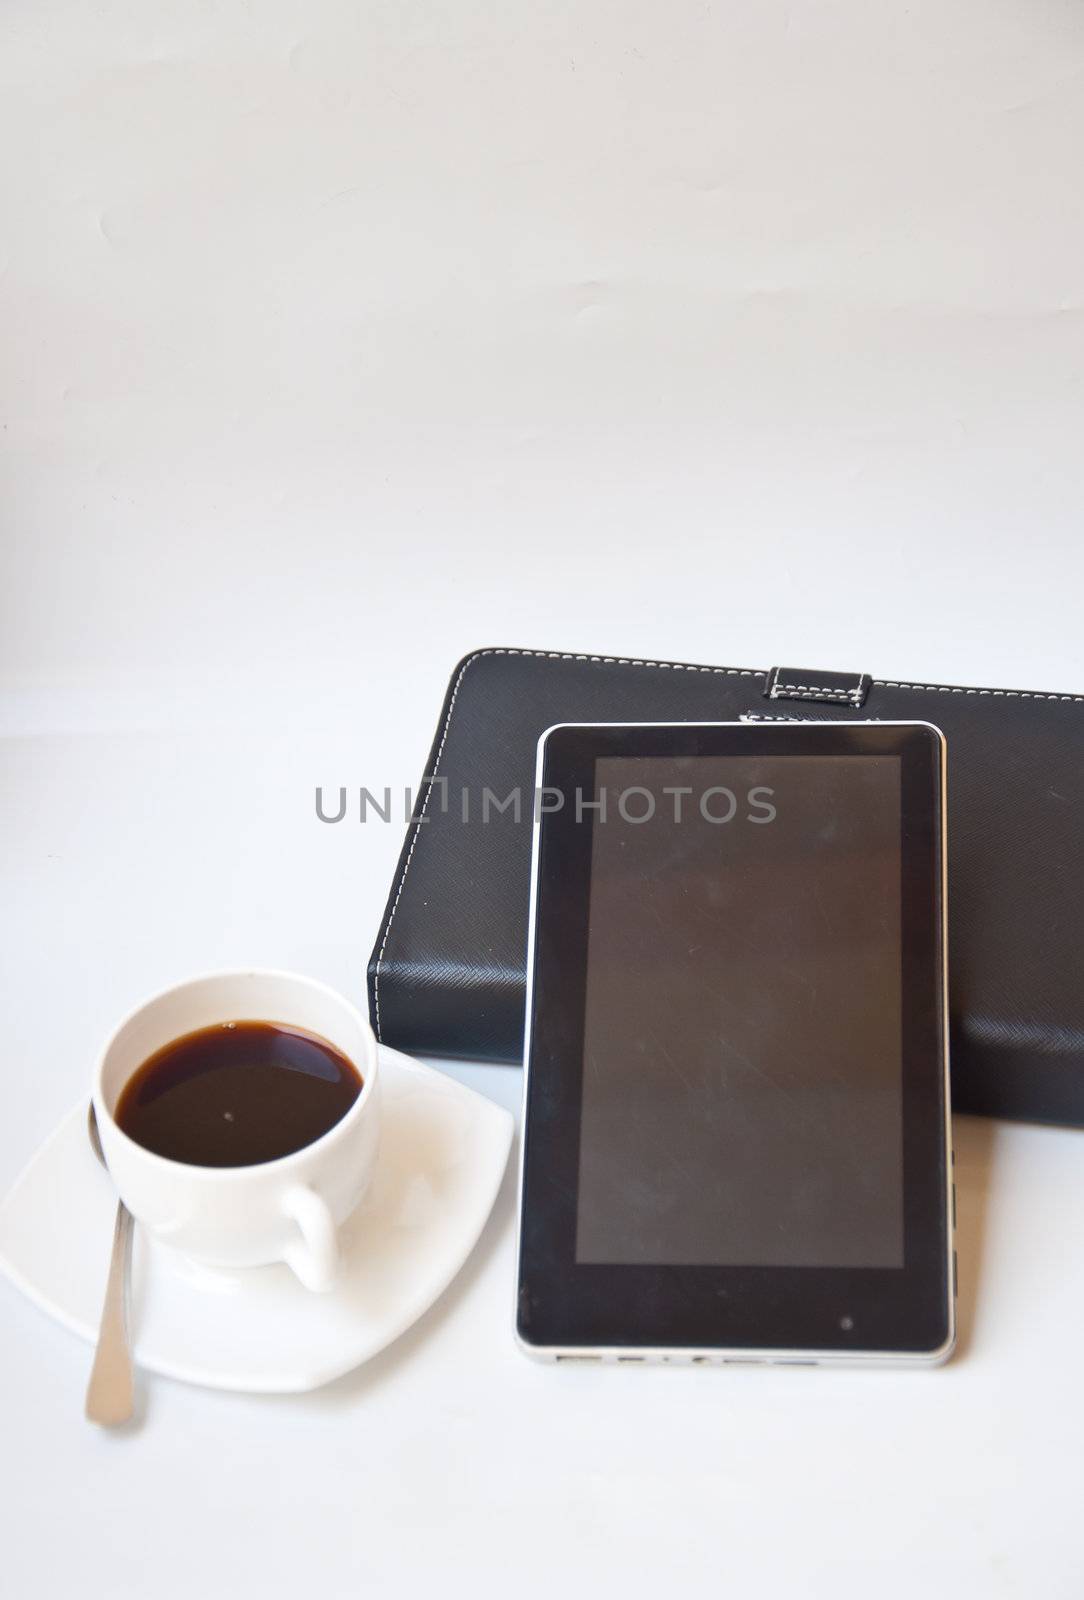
(111, 1391)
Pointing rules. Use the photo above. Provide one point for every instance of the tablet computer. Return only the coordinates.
(736, 1136)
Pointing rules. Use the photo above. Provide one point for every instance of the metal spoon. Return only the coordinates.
(111, 1390)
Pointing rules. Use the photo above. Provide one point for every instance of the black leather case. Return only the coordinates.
(447, 972)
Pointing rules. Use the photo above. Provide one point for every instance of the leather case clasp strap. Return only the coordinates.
(811, 683)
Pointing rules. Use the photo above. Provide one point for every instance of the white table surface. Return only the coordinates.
(339, 339)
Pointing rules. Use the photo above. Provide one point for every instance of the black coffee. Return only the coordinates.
(237, 1094)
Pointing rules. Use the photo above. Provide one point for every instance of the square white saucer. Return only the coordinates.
(443, 1152)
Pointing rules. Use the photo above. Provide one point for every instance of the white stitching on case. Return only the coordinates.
(1008, 694)
(783, 691)
(632, 661)
(807, 722)
(814, 688)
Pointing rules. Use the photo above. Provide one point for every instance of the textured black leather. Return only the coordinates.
(447, 972)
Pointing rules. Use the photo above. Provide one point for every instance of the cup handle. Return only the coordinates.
(314, 1257)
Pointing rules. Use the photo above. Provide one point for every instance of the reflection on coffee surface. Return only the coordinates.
(237, 1094)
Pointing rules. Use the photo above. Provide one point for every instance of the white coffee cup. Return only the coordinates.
(287, 1210)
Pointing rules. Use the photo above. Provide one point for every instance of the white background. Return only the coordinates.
(341, 338)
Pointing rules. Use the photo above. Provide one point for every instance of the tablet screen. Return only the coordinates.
(742, 1063)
